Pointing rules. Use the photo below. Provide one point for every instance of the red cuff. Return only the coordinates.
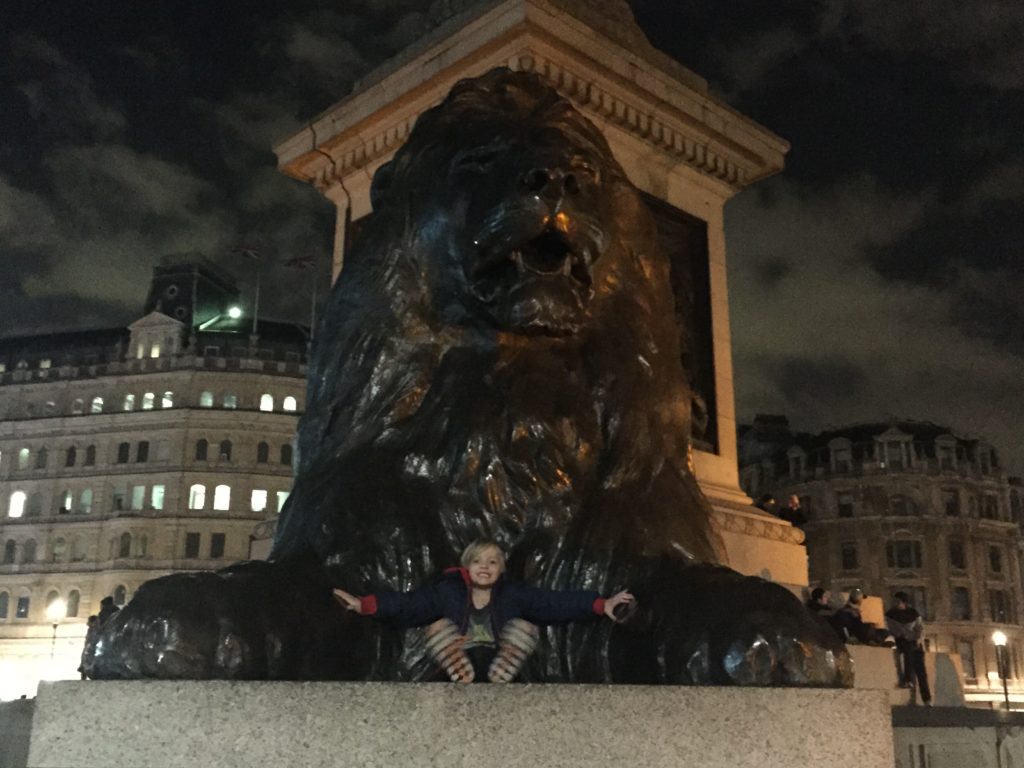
(598, 606)
(368, 605)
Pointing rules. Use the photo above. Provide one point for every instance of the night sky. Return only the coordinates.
(882, 274)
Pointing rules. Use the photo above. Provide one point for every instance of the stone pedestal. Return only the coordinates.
(244, 724)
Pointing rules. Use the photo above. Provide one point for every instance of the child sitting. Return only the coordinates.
(481, 624)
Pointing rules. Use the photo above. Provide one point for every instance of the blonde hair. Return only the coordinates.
(479, 546)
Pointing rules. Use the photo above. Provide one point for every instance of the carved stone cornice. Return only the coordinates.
(757, 524)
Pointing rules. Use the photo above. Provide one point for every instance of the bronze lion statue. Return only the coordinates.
(499, 358)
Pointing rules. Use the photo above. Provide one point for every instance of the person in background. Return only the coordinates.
(849, 625)
(92, 629)
(766, 504)
(792, 513)
(907, 627)
(817, 602)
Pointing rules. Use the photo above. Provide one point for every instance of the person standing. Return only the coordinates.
(906, 625)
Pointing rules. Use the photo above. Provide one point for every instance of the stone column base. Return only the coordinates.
(227, 724)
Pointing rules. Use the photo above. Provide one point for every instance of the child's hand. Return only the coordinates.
(350, 601)
(613, 602)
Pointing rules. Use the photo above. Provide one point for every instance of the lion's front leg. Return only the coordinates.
(254, 620)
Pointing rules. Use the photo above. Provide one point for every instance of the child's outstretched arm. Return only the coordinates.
(407, 609)
(549, 606)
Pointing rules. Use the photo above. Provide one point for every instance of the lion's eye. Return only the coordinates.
(476, 160)
(583, 167)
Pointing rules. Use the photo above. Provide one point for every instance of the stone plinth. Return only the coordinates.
(244, 724)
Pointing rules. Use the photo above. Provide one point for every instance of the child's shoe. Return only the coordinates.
(444, 646)
(518, 640)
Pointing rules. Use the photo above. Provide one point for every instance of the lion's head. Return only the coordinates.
(514, 194)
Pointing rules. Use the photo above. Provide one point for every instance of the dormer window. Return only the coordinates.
(840, 455)
(797, 461)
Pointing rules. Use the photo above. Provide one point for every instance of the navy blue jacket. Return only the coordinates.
(450, 598)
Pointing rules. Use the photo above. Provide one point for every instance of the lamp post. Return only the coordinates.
(999, 639)
(55, 611)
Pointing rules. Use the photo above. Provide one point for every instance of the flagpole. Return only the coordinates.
(256, 302)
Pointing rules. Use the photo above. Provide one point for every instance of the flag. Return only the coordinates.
(301, 262)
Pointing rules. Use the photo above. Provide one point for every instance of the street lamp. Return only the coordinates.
(999, 639)
(55, 611)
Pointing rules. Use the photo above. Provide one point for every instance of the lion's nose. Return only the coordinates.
(551, 182)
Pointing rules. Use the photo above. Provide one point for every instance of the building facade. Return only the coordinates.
(127, 454)
(908, 506)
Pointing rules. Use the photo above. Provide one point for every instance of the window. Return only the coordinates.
(154, 351)
(85, 502)
(78, 406)
(951, 503)
(216, 545)
(999, 606)
(266, 402)
(901, 506)
(143, 547)
(124, 545)
(989, 507)
(148, 401)
(957, 557)
(960, 604)
(282, 497)
(995, 559)
(129, 403)
(16, 505)
(120, 595)
(123, 449)
(45, 363)
(58, 550)
(966, 650)
(262, 453)
(290, 404)
(5, 600)
(903, 554)
(848, 555)
(206, 400)
(142, 452)
(191, 545)
(197, 497)
(21, 612)
(225, 450)
(78, 549)
(202, 448)
(28, 553)
(118, 496)
(66, 502)
(90, 456)
(894, 454)
(23, 457)
(74, 598)
(42, 456)
(222, 498)
(286, 454)
(230, 401)
(35, 505)
(844, 504)
(167, 401)
(71, 456)
(156, 497)
(258, 502)
(138, 497)
(96, 406)
(10, 552)
(211, 351)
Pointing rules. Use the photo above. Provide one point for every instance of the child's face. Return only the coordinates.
(485, 567)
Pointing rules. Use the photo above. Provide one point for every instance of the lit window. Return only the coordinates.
(85, 501)
(156, 497)
(66, 500)
(258, 503)
(148, 401)
(16, 506)
(222, 498)
(21, 612)
(282, 497)
(97, 405)
(138, 497)
(290, 404)
(129, 403)
(23, 457)
(168, 400)
(140, 351)
(197, 497)
(45, 363)
(206, 400)
(230, 401)
(266, 402)
(154, 351)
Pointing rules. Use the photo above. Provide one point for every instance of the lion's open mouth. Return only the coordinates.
(548, 256)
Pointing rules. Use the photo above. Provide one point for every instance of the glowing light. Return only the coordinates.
(999, 638)
(235, 312)
(56, 610)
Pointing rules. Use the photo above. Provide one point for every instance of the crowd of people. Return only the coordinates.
(904, 631)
